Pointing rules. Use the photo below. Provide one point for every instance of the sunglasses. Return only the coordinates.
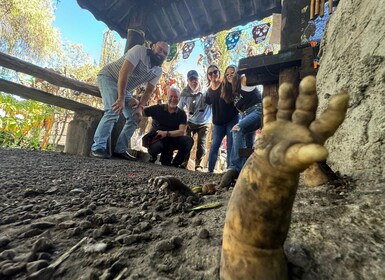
(215, 72)
(229, 74)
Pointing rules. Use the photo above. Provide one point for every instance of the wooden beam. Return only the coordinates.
(54, 78)
(42, 96)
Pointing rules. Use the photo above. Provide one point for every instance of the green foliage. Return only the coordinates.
(111, 49)
(26, 29)
(23, 122)
(224, 61)
(75, 63)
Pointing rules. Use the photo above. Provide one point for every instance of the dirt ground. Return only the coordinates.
(125, 228)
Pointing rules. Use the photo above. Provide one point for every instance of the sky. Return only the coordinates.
(78, 25)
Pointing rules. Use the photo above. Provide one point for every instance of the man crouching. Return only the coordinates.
(169, 127)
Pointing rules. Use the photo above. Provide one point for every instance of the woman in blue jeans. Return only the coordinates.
(224, 116)
(248, 100)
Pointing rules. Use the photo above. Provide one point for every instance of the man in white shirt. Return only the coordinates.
(116, 81)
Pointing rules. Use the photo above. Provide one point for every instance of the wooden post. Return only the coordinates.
(316, 9)
(322, 8)
(312, 9)
(134, 37)
(330, 7)
(80, 132)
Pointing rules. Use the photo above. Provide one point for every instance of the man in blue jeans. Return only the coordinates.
(116, 81)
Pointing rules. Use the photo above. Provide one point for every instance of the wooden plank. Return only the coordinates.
(52, 77)
(42, 96)
(260, 63)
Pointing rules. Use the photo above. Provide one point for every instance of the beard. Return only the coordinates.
(172, 105)
(156, 59)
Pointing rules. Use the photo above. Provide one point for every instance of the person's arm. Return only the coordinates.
(143, 101)
(150, 111)
(125, 70)
(173, 133)
(243, 80)
(208, 98)
(182, 103)
(244, 85)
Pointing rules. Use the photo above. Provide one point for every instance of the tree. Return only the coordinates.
(75, 63)
(111, 49)
(26, 29)
(225, 54)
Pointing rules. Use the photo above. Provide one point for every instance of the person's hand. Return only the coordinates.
(133, 102)
(235, 128)
(118, 106)
(161, 133)
(138, 113)
(292, 137)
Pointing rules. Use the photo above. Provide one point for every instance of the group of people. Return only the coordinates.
(230, 105)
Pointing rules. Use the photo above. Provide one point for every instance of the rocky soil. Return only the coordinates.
(71, 217)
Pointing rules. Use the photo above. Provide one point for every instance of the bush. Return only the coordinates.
(24, 123)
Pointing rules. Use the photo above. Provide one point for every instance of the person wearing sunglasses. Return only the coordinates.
(225, 116)
(193, 99)
(248, 101)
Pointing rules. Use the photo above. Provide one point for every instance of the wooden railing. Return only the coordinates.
(82, 128)
(52, 77)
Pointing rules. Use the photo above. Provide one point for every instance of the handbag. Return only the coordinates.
(150, 138)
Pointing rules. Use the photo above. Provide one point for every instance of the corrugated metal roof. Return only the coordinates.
(178, 20)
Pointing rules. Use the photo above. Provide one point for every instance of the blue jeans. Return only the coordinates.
(219, 132)
(245, 136)
(109, 90)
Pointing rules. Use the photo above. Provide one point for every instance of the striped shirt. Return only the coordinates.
(142, 72)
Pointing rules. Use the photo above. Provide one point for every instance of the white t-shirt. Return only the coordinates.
(247, 88)
(142, 72)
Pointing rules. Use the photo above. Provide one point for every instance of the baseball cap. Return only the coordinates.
(192, 74)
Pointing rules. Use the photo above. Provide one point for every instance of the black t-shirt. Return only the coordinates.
(163, 119)
(247, 99)
(222, 112)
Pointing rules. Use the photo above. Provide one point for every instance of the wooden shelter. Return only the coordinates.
(180, 20)
(175, 21)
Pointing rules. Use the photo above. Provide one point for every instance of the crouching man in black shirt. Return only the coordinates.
(170, 124)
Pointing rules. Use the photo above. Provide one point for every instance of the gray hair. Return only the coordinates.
(174, 89)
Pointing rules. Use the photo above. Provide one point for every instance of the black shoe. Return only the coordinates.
(125, 155)
(228, 178)
(181, 166)
(153, 159)
(100, 153)
(199, 168)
